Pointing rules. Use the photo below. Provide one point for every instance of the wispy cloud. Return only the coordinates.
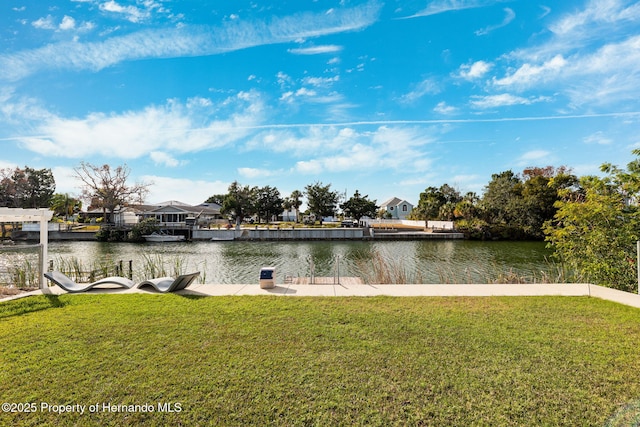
(426, 87)
(510, 15)
(597, 138)
(596, 13)
(502, 100)
(155, 131)
(254, 173)
(534, 157)
(193, 191)
(185, 41)
(442, 6)
(608, 74)
(316, 50)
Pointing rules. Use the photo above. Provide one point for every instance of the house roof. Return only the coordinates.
(172, 203)
(179, 207)
(394, 201)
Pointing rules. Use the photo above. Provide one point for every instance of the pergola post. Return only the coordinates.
(41, 215)
(44, 245)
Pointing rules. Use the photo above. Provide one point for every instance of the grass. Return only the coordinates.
(320, 361)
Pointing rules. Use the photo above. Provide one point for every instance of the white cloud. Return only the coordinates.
(592, 56)
(316, 50)
(130, 13)
(441, 6)
(502, 100)
(320, 81)
(185, 190)
(425, 87)
(476, 70)
(350, 150)
(534, 156)
(597, 138)
(156, 130)
(443, 108)
(7, 165)
(66, 181)
(68, 23)
(305, 92)
(162, 158)
(253, 173)
(183, 41)
(528, 74)
(44, 23)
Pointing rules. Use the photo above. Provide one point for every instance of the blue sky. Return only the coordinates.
(386, 98)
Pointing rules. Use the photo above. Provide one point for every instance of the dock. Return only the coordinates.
(347, 281)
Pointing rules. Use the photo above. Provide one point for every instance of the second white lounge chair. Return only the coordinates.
(169, 284)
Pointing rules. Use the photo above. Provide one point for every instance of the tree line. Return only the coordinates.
(243, 201)
(512, 206)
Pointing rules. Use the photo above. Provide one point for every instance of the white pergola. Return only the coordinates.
(41, 215)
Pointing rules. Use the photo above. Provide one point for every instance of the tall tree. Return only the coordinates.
(64, 205)
(239, 202)
(540, 192)
(217, 199)
(268, 202)
(108, 187)
(502, 199)
(359, 206)
(321, 200)
(26, 188)
(596, 226)
(437, 203)
(294, 202)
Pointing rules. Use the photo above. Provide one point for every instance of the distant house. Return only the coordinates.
(397, 208)
(125, 216)
(177, 214)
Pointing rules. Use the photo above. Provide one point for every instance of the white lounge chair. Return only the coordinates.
(169, 284)
(69, 285)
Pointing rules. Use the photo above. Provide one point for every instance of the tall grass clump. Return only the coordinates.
(86, 271)
(155, 265)
(25, 275)
(381, 268)
(377, 267)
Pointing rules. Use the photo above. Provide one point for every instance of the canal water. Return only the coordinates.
(424, 261)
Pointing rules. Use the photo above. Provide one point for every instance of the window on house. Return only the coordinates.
(404, 208)
(390, 208)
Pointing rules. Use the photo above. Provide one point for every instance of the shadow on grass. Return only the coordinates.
(30, 305)
(628, 415)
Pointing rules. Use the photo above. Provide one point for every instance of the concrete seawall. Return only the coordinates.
(268, 234)
(282, 234)
(317, 234)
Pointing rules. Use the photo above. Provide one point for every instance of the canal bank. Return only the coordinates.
(269, 234)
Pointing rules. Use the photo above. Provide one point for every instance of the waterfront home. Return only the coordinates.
(397, 208)
(177, 214)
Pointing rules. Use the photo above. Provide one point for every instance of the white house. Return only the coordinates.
(397, 208)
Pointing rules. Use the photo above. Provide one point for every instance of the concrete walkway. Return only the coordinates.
(338, 290)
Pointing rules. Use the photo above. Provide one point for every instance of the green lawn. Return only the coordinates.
(318, 361)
